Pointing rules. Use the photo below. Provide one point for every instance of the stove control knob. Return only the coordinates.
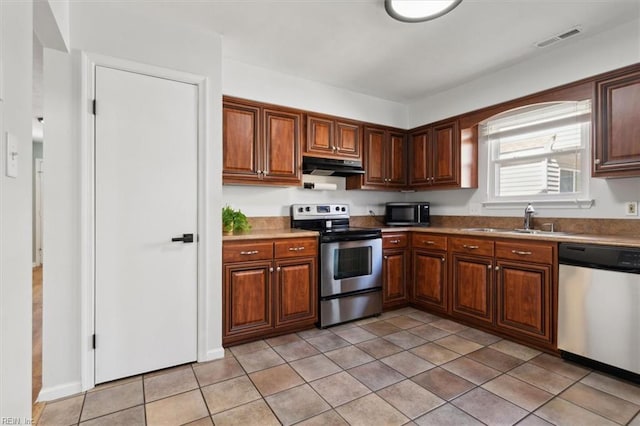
(308, 208)
(300, 209)
(344, 209)
(337, 208)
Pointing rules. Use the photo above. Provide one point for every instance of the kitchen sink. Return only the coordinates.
(515, 231)
(539, 232)
(486, 230)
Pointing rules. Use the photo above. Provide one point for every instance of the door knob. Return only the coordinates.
(186, 238)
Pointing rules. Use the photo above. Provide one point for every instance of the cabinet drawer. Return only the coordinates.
(247, 251)
(296, 247)
(390, 241)
(429, 241)
(527, 251)
(472, 246)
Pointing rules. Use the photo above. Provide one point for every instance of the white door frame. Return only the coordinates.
(87, 199)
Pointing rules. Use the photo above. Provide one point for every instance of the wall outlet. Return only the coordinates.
(631, 208)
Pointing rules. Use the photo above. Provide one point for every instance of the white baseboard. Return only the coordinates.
(60, 391)
(212, 354)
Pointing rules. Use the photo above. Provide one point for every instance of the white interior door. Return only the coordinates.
(145, 194)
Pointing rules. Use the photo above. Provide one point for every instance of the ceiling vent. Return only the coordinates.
(559, 37)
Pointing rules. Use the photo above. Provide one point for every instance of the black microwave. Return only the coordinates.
(407, 214)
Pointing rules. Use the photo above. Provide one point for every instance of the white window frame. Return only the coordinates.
(558, 200)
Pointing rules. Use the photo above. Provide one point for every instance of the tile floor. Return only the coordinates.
(406, 366)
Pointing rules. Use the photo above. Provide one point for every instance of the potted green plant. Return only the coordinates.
(234, 220)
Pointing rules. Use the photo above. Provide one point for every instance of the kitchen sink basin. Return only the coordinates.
(486, 230)
(515, 231)
(539, 232)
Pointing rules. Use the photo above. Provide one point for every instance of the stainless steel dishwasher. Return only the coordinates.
(599, 307)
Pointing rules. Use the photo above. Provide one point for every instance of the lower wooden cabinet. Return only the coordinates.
(429, 277)
(524, 289)
(472, 279)
(395, 264)
(274, 291)
(296, 296)
(502, 286)
(473, 287)
(248, 293)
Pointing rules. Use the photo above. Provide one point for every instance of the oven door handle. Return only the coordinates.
(341, 238)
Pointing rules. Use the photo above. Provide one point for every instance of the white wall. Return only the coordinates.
(260, 84)
(96, 28)
(15, 214)
(579, 58)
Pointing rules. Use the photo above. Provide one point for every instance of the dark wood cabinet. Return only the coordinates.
(395, 266)
(429, 285)
(248, 291)
(270, 288)
(296, 298)
(434, 156)
(472, 279)
(240, 142)
(385, 156)
(523, 284)
(260, 144)
(616, 150)
(332, 137)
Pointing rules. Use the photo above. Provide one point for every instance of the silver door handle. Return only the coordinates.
(470, 247)
(429, 243)
(394, 241)
(248, 253)
(296, 248)
(524, 253)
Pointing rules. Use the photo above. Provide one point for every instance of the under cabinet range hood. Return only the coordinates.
(331, 167)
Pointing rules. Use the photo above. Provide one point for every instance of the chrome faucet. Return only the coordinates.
(528, 213)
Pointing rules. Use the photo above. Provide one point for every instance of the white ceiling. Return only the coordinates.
(355, 45)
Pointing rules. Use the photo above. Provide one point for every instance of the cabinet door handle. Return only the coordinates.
(596, 161)
(489, 266)
(497, 268)
(470, 247)
(429, 243)
(271, 269)
(277, 269)
(394, 241)
(296, 248)
(386, 257)
(259, 172)
(443, 259)
(523, 253)
(248, 253)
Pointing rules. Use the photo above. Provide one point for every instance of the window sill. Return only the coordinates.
(551, 204)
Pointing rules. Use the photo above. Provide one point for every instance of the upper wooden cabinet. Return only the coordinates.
(616, 150)
(330, 137)
(434, 158)
(384, 160)
(261, 145)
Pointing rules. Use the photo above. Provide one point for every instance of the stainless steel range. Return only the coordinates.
(350, 262)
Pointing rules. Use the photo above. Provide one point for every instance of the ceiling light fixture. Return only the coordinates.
(419, 10)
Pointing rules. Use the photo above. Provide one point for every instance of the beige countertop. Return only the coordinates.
(256, 234)
(613, 240)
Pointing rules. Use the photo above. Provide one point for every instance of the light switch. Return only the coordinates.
(12, 156)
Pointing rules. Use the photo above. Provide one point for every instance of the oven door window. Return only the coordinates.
(351, 262)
